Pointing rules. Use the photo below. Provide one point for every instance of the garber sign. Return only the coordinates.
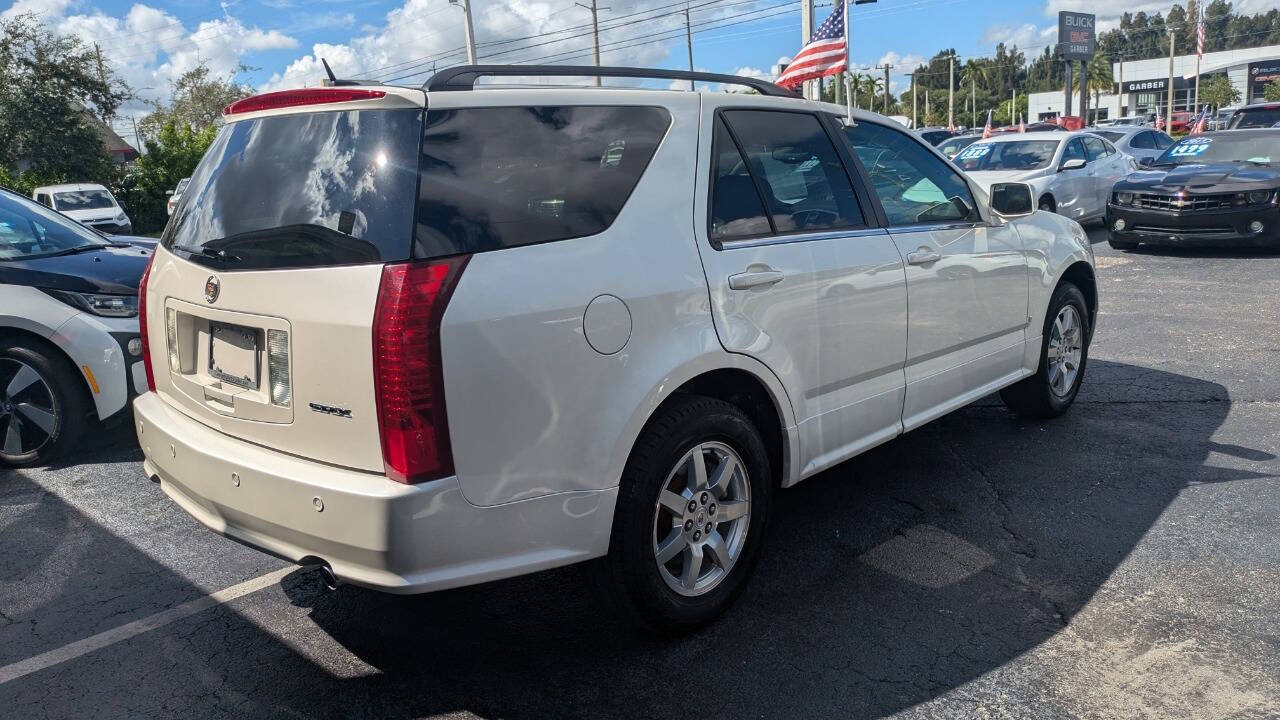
(1077, 39)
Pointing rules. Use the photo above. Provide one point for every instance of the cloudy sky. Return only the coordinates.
(281, 41)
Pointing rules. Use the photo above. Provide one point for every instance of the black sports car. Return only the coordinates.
(1217, 189)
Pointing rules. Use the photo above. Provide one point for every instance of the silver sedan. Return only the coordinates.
(1134, 141)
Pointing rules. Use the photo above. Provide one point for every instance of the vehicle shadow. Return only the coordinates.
(886, 582)
(1215, 253)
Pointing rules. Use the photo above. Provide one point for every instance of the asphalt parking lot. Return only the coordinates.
(1120, 562)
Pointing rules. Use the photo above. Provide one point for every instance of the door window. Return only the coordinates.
(914, 185)
(1074, 151)
(796, 170)
(1095, 149)
(1144, 141)
(1163, 142)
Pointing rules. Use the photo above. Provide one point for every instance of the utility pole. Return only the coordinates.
(806, 32)
(1168, 123)
(973, 100)
(688, 40)
(914, 122)
(595, 30)
(887, 66)
(1120, 86)
(466, 24)
(926, 106)
(1014, 107)
(1199, 46)
(951, 95)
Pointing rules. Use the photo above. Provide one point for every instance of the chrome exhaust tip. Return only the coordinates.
(330, 580)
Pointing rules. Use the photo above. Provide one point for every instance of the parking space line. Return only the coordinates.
(110, 637)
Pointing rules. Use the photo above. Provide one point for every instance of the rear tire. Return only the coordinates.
(659, 503)
(1064, 352)
(44, 407)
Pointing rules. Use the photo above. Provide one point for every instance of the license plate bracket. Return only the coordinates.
(235, 354)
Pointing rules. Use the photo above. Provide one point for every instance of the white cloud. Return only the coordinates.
(1024, 35)
(149, 48)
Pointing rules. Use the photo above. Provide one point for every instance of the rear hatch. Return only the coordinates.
(260, 304)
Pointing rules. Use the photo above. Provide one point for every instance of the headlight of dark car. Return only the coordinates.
(120, 306)
(1260, 197)
(1124, 198)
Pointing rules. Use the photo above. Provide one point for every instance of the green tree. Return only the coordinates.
(172, 155)
(1218, 91)
(197, 100)
(1271, 93)
(54, 91)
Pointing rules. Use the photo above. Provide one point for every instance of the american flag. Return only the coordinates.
(824, 55)
(986, 131)
(1200, 36)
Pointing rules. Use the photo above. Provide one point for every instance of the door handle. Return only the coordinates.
(754, 279)
(923, 256)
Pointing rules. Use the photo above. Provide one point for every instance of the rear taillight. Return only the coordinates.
(407, 368)
(142, 323)
(295, 98)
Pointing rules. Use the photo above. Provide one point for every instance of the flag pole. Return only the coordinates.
(848, 68)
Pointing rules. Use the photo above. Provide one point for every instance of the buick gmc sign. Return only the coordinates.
(1262, 73)
(1076, 35)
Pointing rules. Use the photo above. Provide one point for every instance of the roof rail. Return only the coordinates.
(463, 77)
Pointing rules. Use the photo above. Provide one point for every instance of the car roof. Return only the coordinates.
(69, 187)
(1122, 129)
(1243, 132)
(1033, 135)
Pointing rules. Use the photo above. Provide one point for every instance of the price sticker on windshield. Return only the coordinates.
(1191, 147)
(973, 152)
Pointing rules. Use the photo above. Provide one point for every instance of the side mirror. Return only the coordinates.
(1012, 199)
(1146, 161)
(1073, 164)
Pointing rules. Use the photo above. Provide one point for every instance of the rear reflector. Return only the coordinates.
(142, 323)
(407, 370)
(278, 368)
(294, 98)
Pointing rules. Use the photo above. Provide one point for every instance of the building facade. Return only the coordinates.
(1142, 86)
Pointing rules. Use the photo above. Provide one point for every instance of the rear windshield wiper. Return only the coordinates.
(219, 255)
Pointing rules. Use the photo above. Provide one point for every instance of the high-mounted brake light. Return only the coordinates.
(407, 370)
(294, 98)
(142, 323)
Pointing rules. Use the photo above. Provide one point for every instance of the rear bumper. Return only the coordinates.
(370, 530)
(1201, 228)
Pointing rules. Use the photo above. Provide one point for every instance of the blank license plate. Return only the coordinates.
(233, 355)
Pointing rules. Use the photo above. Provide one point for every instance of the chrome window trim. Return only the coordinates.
(918, 227)
(789, 238)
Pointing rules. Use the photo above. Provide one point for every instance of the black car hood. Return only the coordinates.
(1215, 177)
(111, 269)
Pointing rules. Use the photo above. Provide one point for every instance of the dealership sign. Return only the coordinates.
(1077, 39)
(1156, 85)
(1261, 74)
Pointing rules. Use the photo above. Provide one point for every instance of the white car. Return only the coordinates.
(425, 338)
(70, 351)
(1071, 173)
(1136, 142)
(174, 194)
(87, 203)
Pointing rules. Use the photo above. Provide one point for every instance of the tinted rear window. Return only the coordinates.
(496, 178)
(314, 189)
(1263, 117)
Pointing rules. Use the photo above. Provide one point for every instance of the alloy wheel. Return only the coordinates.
(1066, 348)
(701, 518)
(28, 416)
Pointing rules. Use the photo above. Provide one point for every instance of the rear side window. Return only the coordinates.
(736, 207)
(501, 177)
(1144, 141)
(305, 190)
(1095, 148)
(796, 170)
(1163, 142)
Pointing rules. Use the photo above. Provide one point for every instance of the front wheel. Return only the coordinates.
(1064, 351)
(690, 518)
(43, 408)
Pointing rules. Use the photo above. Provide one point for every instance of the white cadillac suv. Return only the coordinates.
(427, 338)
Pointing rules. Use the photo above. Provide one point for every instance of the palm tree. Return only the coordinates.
(1099, 76)
(970, 73)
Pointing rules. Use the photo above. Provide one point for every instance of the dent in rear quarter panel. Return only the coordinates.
(1053, 243)
(533, 409)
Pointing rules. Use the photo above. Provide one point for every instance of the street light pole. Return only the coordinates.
(595, 31)
(951, 94)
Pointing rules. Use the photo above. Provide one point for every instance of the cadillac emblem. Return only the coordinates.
(211, 289)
